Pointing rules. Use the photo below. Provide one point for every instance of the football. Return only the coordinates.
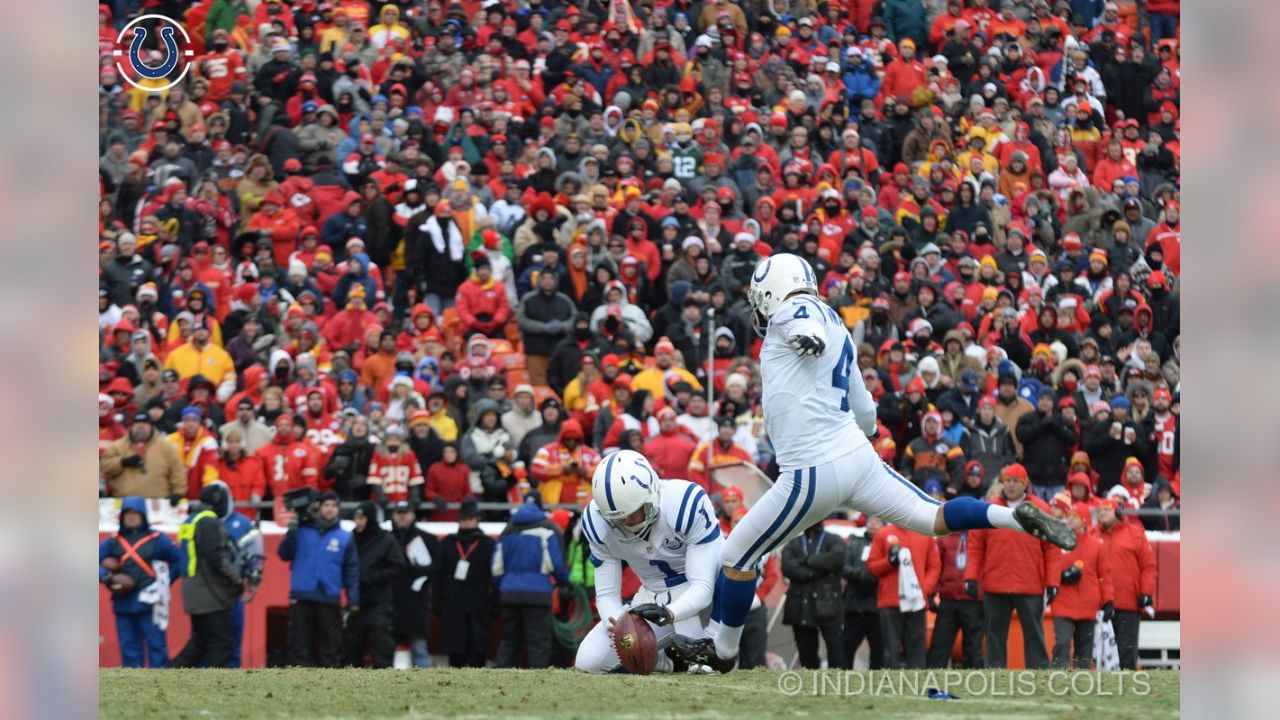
(635, 644)
(122, 583)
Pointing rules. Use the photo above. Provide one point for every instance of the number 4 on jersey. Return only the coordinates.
(840, 373)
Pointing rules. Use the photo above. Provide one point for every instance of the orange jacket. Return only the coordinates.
(1082, 600)
(1012, 562)
(924, 556)
(1133, 563)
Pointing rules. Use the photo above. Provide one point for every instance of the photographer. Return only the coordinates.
(323, 562)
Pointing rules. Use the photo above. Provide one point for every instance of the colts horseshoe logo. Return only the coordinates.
(764, 270)
(176, 54)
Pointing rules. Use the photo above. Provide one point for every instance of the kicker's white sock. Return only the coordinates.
(664, 664)
(1002, 517)
(727, 641)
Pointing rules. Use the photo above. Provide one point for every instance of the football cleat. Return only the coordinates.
(699, 651)
(1044, 526)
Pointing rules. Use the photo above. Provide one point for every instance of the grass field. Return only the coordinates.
(324, 694)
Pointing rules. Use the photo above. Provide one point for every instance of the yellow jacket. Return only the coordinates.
(444, 426)
(654, 380)
(213, 362)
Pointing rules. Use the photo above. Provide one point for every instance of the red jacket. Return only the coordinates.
(951, 582)
(1082, 600)
(902, 78)
(489, 299)
(1133, 563)
(924, 556)
(452, 483)
(670, 453)
(245, 480)
(1012, 562)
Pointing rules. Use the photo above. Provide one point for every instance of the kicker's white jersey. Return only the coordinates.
(686, 519)
(816, 408)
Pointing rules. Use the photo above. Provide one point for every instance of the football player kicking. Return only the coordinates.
(819, 416)
(666, 530)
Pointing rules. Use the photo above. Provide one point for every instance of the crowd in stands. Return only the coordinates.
(432, 251)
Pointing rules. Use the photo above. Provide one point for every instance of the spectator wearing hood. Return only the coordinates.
(212, 581)
(523, 416)
(563, 468)
(144, 463)
(486, 443)
(990, 442)
(931, 456)
(1163, 498)
(526, 557)
(1013, 570)
(323, 563)
(617, 312)
(381, 563)
(448, 482)
(1086, 588)
(134, 551)
(1133, 574)
(349, 465)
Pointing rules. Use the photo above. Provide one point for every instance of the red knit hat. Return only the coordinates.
(1015, 472)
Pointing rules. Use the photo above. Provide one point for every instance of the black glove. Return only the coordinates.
(933, 602)
(1050, 594)
(893, 554)
(1071, 575)
(971, 588)
(1108, 611)
(132, 461)
(809, 345)
(1144, 601)
(174, 500)
(565, 593)
(441, 504)
(655, 614)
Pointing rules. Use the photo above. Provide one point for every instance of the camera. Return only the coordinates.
(299, 502)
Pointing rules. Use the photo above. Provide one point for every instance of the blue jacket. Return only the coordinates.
(527, 554)
(159, 547)
(322, 564)
(860, 83)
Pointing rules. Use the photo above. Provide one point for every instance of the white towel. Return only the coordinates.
(1106, 655)
(157, 595)
(910, 596)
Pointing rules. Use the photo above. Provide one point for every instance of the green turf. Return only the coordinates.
(562, 694)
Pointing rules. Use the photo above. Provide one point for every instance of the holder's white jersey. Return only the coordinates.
(816, 408)
(686, 520)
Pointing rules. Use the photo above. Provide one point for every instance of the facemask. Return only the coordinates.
(582, 333)
(220, 45)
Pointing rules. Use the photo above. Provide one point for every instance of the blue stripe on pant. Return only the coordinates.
(769, 538)
(804, 510)
(919, 493)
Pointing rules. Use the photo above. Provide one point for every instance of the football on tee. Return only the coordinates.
(635, 644)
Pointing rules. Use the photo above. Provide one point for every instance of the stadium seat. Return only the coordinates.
(542, 392)
(517, 376)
